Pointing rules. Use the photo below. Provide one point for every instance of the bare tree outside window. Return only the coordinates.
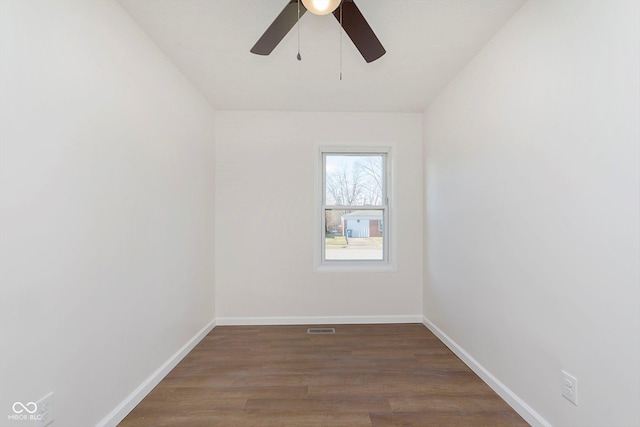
(354, 180)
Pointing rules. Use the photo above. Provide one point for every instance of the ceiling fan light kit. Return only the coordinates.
(321, 7)
(346, 13)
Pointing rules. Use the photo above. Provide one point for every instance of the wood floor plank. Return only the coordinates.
(363, 375)
(446, 419)
(254, 420)
(205, 394)
(434, 403)
(311, 405)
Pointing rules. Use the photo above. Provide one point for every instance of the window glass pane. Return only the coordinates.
(354, 235)
(354, 180)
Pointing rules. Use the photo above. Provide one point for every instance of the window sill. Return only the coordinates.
(355, 267)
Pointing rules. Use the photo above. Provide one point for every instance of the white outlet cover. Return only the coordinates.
(569, 385)
(45, 411)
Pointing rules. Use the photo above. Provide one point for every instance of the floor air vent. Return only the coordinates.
(319, 331)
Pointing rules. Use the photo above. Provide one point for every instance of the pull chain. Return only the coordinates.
(341, 31)
(298, 25)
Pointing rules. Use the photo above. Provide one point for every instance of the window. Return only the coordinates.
(355, 208)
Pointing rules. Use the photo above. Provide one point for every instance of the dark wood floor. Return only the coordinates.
(364, 375)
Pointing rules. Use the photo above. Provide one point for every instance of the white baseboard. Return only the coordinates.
(519, 405)
(317, 320)
(131, 401)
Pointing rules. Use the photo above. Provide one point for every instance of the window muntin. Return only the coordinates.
(354, 207)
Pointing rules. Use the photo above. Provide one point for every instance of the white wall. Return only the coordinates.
(265, 223)
(106, 197)
(532, 234)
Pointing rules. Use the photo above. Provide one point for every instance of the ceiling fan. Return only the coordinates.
(345, 11)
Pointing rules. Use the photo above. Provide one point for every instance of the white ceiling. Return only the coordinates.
(427, 42)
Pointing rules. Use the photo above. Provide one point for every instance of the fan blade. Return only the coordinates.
(359, 31)
(278, 29)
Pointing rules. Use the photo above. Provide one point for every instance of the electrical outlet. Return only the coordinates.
(44, 414)
(570, 387)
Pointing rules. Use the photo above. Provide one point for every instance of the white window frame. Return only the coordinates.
(384, 265)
